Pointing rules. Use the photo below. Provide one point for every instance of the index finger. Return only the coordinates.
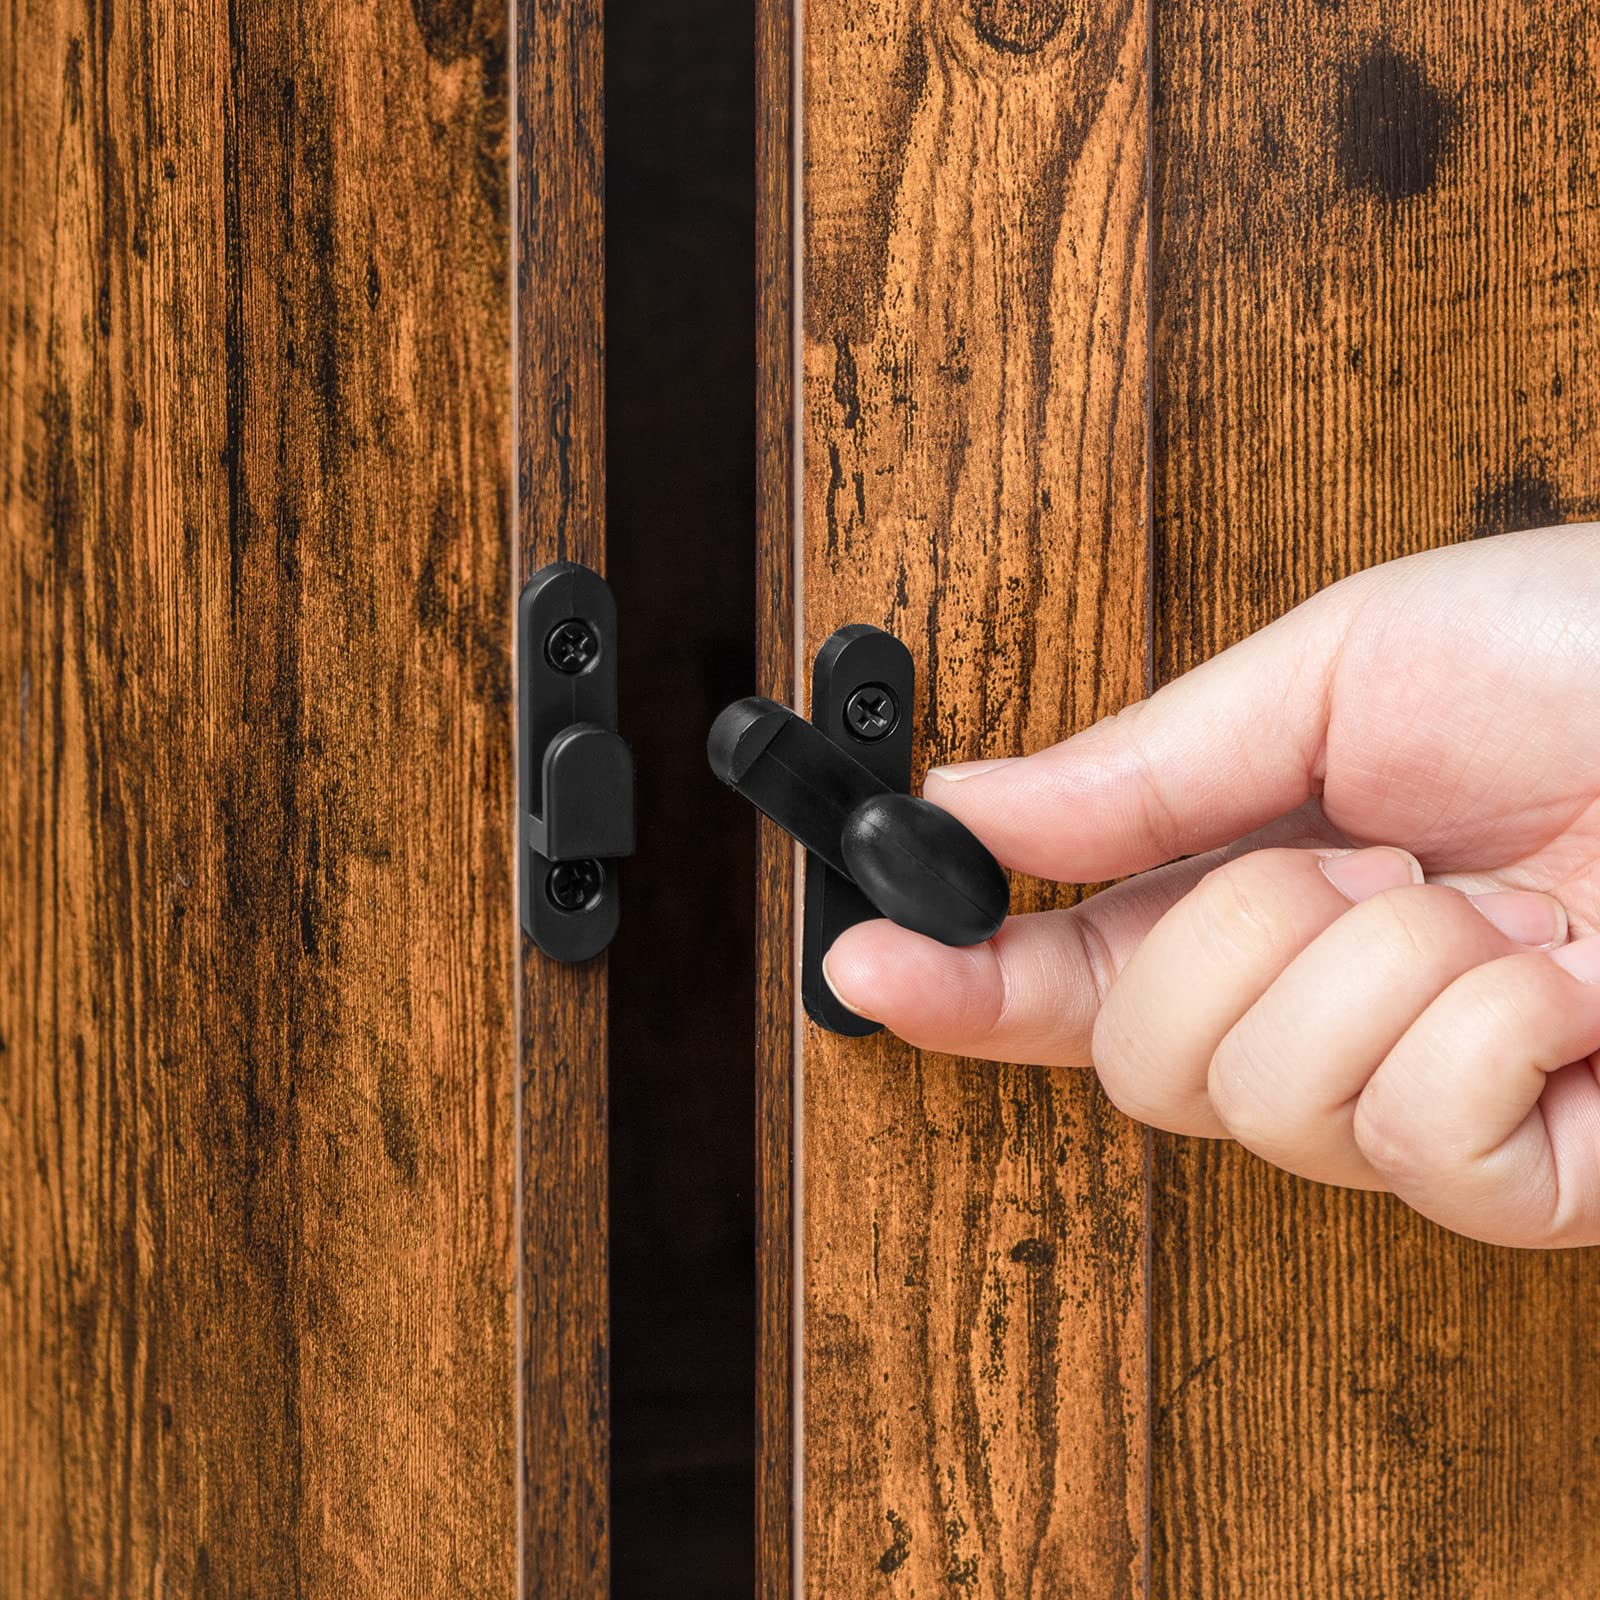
(1224, 749)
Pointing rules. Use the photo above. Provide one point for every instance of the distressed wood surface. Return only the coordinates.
(257, 1148)
(1377, 279)
(776, 1262)
(974, 317)
(562, 1093)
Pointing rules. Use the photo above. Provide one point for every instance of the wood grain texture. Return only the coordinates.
(256, 1314)
(560, 516)
(1377, 277)
(974, 314)
(775, 882)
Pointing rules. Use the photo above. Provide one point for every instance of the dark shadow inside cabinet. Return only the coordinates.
(680, 342)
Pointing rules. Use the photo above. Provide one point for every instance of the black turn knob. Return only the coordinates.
(915, 863)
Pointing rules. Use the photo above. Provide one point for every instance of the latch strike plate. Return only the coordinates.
(574, 771)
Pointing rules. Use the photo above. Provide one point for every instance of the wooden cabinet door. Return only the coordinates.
(302, 1288)
(1094, 336)
(1089, 337)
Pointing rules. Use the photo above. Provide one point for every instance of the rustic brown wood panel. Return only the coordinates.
(257, 1148)
(1377, 278)
(775, 881)
(560, 516)
(974, 367)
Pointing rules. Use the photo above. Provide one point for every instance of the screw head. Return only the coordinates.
(872, 712)
(572, 646)
(575, 885)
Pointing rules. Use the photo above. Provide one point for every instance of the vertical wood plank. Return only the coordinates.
(561, 499)
(974, 317)
(776, 442)
(256, 1317)
(1377, 276)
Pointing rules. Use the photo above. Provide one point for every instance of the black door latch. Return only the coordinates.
(575, 772)
(839, 785)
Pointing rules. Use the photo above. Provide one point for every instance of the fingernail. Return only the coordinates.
(1531, 919)
(1360, 874)
(827, 978)
(1581, 959)
(968, 769)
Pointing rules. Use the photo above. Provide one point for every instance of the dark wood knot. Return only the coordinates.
(1018, 27)
(1394, 127)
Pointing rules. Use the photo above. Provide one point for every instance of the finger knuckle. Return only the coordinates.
(1239, 907)
(1390, 1141)
(1499, 1006)
(1413, 923)
(1098, 963)
(1239, 1086)
(980, 1003)
(1121, 1067)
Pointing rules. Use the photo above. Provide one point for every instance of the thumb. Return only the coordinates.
(1212, 755)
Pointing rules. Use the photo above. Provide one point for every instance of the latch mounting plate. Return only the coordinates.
(863, 693)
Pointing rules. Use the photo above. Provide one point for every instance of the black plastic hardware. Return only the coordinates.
(575, 772)
(856, 666)
(838, 784)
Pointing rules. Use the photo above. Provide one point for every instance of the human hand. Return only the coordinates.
(1383, 970)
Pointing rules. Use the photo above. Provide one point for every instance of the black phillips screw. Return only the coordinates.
(571, 646)
(575, 885)
(871, 713)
